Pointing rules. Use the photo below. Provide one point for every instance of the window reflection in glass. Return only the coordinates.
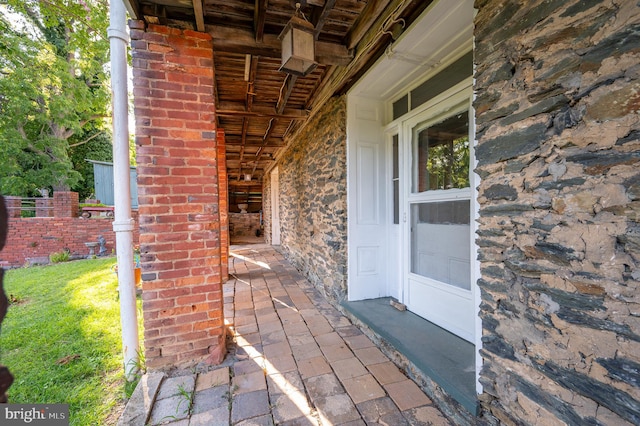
(441, 155)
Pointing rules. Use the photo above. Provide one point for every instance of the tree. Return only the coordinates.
(54, 93)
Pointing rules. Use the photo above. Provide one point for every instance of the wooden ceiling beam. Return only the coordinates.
(365, 21)
(228, 109)
(236, 40)
(260, 13)
(319, 18)
(199, 14)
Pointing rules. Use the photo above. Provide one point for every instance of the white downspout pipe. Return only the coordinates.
(123, 224)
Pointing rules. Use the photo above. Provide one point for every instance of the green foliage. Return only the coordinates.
(98, 147)
(448, 164)
(59, 256)
(53, 90)
(63, 341)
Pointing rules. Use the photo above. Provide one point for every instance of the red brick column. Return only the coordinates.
(44, 207)
(14, 206)
(224, 203)
(178, 196)
(65, 204)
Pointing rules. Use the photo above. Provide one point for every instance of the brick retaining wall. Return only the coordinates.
(32, 240)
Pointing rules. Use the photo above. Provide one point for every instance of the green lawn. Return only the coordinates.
(61, 339)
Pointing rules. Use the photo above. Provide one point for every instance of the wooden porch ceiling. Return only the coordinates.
(258, 106)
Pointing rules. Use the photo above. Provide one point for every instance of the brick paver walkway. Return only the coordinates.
(296, 361)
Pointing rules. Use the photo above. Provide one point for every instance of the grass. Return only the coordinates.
(61, 339)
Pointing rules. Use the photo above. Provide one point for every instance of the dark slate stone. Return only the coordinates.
(504, 73)
(490, 324)
(580, 7)
(546, 92)
(630, 242)
(334, 244)
(614, 46)
(508, 309)
(556, 253)
(515, 166)
(486, 32)
(614, 399)
(538, 224)
(560, 184)
(505, 210)
(633, 136)
(581, 301)
(535, 316)
(583, 319)
(493, 114)
(484, 242)
(543, 107)
(490, 233)
(492, 271)
(567, 118)
(501, 192)
(599, 162)
(622, 369)
(590, 89)
(550, 402)
(510, 23)
(495, 286)
(498, 346)
(551, 73)
(510, 146)
(529, 269)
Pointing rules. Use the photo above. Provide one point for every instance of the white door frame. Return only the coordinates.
(453, 309)
(275, 207)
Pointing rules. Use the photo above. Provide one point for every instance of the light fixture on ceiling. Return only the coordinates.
(298, 45)
(247, 177)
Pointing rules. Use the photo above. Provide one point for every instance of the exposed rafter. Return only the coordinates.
(259, 19)
(199, 15)
(259, 107)
(235, 40)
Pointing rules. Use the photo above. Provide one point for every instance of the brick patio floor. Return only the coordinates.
(296, 361)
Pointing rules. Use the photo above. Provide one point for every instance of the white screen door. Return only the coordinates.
(439, 212)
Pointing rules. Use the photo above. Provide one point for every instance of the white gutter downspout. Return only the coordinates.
(123, 224)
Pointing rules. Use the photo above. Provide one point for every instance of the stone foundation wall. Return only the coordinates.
(558, 131)
(312, 175)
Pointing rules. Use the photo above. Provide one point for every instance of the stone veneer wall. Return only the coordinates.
(558, 152)
(312, 176)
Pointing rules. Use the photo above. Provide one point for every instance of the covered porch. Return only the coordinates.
(293, 359)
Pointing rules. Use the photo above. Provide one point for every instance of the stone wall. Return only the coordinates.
(244, 224)
(312, 175)
(181, 229)
(558, 153)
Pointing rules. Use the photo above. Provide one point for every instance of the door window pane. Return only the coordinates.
(441, 155)
(440, 241)
(396, 181)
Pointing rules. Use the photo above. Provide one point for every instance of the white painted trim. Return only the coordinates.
(275, 207)
(446, 56)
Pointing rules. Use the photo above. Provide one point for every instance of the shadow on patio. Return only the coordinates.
(294, 360)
